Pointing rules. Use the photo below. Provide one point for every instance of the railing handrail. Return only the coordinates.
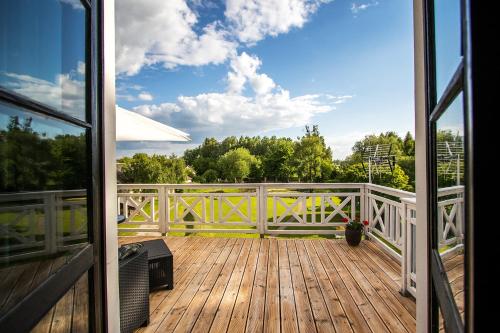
(6, 197)
(389, 190)
(244, 185)
(451, 190)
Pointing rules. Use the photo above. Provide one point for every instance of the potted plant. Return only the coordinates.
(353, 231)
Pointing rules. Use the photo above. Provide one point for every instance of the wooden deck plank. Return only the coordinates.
(228, 283)
(337, 314)
(22, 286)
(364, 305)
(207, 273)
(392, 302)
(287, 299)
(81, 303)
(195, 272)
(239, 315)
(61, 321)
(215, 281)
(392, 286)
(305, 316)
(383, 261)
(354, 315)
(255, 318)
(8, 285)
(45, 323)
(272, 322)
(318, 305)
(224, 312)
(388, 317)
(182, 265)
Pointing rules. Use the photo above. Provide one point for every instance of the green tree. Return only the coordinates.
(313, 159)
(278, 163)
(407, 164)
(236, 164)
(409, 145)
(142, 168)
(210, 176)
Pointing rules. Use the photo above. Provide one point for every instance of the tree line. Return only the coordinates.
(273, 159)
(35, 161)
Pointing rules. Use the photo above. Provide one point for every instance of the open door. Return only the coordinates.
(448, 132)
(461, 66)
(51, 216)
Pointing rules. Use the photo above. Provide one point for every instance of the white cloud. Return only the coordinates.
(168, 32)
(145, 96)
(342, 144)
(75, 4)
(158, 31)
(358, 7)
(253, 20)
(80, 68)
(244, 69)
(66, 93)
(228, 114)
(231, 113)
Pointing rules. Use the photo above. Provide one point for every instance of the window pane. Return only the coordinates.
(450, 207)
(42, 52)
(43, 199)
(70, 314)
(448, 41)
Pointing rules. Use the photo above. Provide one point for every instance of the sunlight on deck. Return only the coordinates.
(235, 284)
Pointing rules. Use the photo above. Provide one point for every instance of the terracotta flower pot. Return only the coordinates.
(353, 237)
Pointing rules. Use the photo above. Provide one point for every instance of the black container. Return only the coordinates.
(134, 291)
(353, 237)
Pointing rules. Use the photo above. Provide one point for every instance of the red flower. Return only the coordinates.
(345, 220)
(365, 222)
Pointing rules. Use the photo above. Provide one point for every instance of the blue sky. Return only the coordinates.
(236, 68)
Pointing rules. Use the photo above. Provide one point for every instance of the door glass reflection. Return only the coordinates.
(450, 207)
(42, 52)
(43, 199)
(70, 314)
(447, 41)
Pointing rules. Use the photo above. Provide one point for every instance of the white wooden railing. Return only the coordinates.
(292, 208)
(41, 223)
(239, 208)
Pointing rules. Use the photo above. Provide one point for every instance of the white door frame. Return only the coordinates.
(109, 155)
(422, 265)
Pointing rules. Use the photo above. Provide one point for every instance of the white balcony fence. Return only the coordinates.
(41, 223)
(292, 208)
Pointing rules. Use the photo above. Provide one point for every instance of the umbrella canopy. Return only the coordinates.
(131, 126)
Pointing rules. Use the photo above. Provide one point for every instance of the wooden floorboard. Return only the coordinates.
(274, 285)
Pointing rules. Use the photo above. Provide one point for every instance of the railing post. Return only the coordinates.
(262, 209)
(407, 245)
(162, 210)
(404, 249)
(362, 213)
(50, 223)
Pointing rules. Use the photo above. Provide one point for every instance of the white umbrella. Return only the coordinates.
(131, 126)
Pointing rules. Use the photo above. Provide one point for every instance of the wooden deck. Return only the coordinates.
(70, 314)
(269, 285)
(454, 266)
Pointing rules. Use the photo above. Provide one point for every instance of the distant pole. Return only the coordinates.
(369, 170)
(458, 169)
